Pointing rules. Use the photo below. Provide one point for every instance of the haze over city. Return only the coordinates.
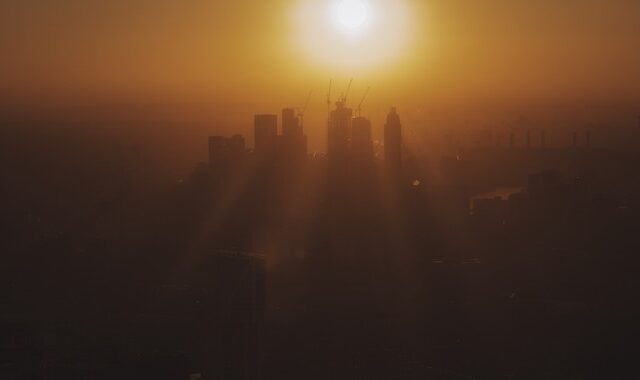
(436, 59)
(319, 189)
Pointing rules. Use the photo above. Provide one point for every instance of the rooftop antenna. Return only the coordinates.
(366, 93)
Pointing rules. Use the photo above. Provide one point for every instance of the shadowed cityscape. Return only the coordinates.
(361, 231)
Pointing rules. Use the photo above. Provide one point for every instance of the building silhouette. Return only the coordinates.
(339, 133)
(393, 142)
(291, 125)
(265, 133)
(361, 143)
(293, 138)
(225, 152)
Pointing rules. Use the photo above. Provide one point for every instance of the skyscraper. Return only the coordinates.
(361, 143)
(266, 133)
(393, 143)
(338, 139)
(294, 140)
(291, 125)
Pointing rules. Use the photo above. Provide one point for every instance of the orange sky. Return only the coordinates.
(246, 53)
(477, 48)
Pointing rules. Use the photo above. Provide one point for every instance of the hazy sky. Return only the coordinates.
(249, 53)
(243, 48)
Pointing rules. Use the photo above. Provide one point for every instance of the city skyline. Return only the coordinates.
(319, 189)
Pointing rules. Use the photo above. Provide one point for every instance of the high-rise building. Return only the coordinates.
(291, 125)
(361, 142)
(266, 133)
(338, 139)
(393, 142)
(294, 140)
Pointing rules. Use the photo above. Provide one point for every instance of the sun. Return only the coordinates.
(351, 16)
(350, 35)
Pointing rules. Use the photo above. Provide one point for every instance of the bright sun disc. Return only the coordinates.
(351, 15)
(343, 35)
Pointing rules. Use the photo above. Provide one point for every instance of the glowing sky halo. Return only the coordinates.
(352, 16)
(349, 35)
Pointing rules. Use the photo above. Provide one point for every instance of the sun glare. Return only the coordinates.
(351, 16)
(343, 35)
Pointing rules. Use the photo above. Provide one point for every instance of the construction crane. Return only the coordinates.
(346, 94)
(366, 93)
(304, 109)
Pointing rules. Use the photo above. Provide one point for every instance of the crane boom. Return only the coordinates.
(346, 94)
(304, 109)
(366, 93)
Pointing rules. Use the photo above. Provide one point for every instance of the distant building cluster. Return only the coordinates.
(350, 144)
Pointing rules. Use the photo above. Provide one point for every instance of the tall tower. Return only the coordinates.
(361, 143)
(338, 137)
(266, 132)
(290, 123)
(393, 142)
(294, 140)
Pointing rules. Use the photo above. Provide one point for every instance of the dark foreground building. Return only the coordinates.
(205, 325)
